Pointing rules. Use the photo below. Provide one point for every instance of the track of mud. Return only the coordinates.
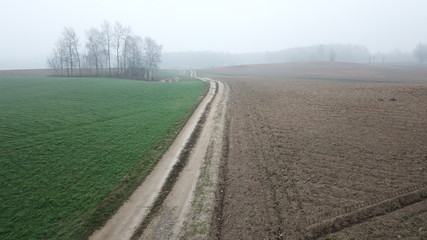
(168, 222)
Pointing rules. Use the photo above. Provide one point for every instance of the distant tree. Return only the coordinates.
(70, 43)
(56, 61)
(66, 54)
(95, 49)
(108, 35)
(125, 53)
(420, 52)
(120, 33)
(134, 57)
(153, 54)
(345, 52)
(73, 39)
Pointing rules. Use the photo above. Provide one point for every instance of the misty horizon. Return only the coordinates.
(30, 29)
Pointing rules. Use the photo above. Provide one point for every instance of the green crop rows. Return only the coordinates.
(72, 149)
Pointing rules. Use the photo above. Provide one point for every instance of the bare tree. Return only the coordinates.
(120, 33)
(55, 62)
(58, 59)
(108, 35)
(152, 57)
(95, 48)
(134, 57)
(66, 54)
(420, 52)
(69, 53)
(125, 52)
(68, 47)
(75, 44)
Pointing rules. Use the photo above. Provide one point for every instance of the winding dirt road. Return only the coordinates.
(167, 222)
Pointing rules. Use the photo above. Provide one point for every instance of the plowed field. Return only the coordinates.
(312, 159)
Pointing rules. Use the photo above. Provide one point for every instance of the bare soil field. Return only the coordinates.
(27, 72)
(331, 71)
(324, 159)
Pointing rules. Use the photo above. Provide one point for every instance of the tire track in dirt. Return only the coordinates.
(201, 220)
(360, 215)
(167, 223)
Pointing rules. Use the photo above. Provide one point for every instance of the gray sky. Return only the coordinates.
(30, 28)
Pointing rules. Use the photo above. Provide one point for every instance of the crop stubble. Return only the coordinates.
(302, 152)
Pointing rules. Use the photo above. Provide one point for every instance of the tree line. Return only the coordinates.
(315, 53)
(320, 53)
(110, 50)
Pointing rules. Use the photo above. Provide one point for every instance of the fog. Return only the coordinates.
(29, 29)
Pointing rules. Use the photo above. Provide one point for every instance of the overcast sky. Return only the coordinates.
(30, 28)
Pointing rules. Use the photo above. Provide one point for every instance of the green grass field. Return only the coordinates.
(72, 149)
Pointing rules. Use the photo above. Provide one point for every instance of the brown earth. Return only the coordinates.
(27, 72)
(327, 70)
(310, 158)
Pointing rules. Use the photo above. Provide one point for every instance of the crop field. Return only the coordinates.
(327, 150)
(72, 149)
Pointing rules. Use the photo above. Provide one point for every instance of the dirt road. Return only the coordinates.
(168, 223)
(127, 219)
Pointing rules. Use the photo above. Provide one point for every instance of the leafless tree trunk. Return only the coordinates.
(68, 45)
(58, 58)
(125, 54)
(75, 44)
(95, 47)
(108, 34)
(54, 62)
(152, 57)
(120, 33)
(135, 57)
